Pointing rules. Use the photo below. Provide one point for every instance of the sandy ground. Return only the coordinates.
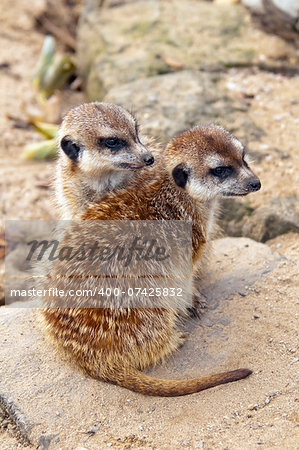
(276, 105)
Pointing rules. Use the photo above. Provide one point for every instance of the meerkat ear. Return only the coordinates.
(180, 175)
(70, 148)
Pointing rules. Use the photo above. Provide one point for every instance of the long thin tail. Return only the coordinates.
(139, 382)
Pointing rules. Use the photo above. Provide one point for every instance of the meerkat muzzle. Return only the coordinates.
(254, 184)
(149, 159)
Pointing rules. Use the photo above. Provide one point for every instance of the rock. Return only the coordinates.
(255, 5)
(226, 2)
(166, 105)
(129, 41)
(241, 262)
(37, 383)
(288, 7)
(278, 216)
(232, 214)
(90, 43)
(277, 16)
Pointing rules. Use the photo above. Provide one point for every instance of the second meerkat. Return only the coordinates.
(116, 344)
(100, 151)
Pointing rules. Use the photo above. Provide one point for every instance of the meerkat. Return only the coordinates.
(100, 150)
(117, 344)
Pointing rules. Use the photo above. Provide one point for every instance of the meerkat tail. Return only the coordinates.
(144, 384)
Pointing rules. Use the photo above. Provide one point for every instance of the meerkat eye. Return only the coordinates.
(222, 172)
(112, 143)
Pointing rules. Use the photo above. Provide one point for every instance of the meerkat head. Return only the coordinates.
(102, 137)
(207, 161)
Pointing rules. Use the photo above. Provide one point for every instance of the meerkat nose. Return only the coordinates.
(254, 184)
(148, 159)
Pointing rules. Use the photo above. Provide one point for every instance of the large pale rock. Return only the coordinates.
(232, 215)
(280, 215)
(124, 42)
(277, 16)
(169, 104)
(53, 405)
(288, 7)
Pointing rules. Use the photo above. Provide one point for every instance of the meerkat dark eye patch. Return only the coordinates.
(180, 175)
(70, 148)
(112, 143)
(222, 172)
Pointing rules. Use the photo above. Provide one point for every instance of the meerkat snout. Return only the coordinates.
(234, 180)
(148, 159)
(254, 184)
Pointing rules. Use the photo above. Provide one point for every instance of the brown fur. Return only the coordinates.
(116, 344)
